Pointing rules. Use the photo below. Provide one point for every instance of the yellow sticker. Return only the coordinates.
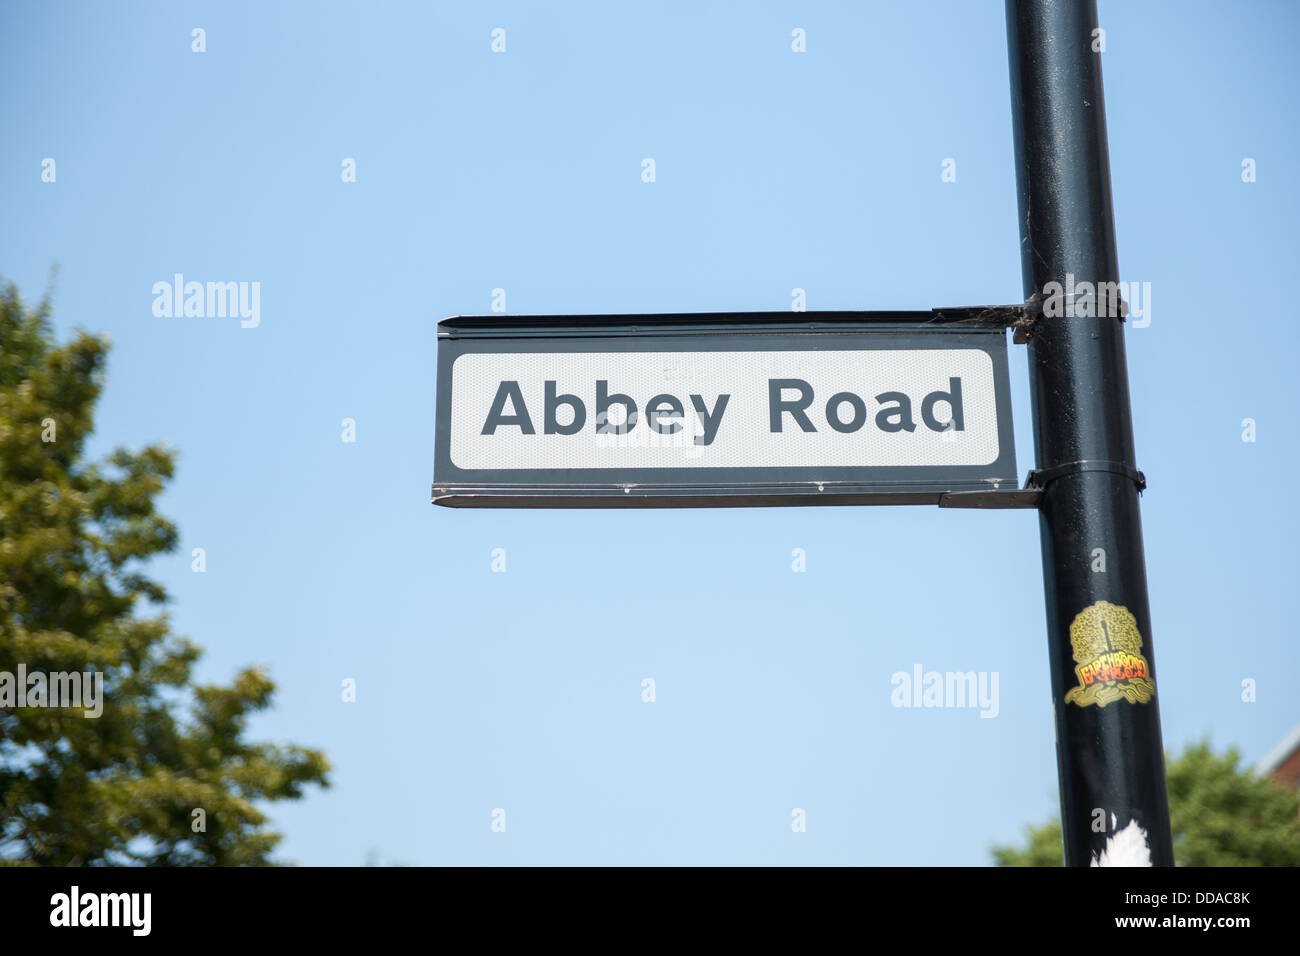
(1108, 657)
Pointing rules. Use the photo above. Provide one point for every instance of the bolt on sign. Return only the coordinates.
(723, 409)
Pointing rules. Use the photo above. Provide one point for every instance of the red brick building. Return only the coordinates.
(1283, 762)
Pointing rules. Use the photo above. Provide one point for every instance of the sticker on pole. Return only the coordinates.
(684, 410)
(1108, 657)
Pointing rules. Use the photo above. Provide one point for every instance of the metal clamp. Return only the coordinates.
(1041, 477)
(1034, 312)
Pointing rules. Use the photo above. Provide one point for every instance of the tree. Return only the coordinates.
(163, 774)
(1221, 815)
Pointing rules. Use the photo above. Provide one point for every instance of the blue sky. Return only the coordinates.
(775, 170)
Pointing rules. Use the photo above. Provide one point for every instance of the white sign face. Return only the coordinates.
(724, 409)
(752, 409)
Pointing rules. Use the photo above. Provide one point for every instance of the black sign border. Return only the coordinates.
(718, 487)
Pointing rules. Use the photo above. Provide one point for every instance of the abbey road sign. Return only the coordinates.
(722, 409)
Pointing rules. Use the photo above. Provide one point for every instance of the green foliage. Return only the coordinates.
(1044, 848)
(1221, 815)
(122, 787)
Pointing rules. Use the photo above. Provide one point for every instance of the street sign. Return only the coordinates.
(723, 410)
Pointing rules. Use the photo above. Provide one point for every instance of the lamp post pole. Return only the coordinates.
(1109, 751)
